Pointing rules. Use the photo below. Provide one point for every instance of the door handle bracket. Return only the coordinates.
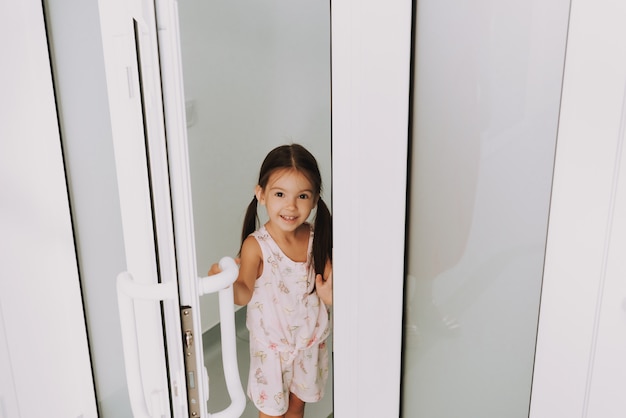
(127, 292)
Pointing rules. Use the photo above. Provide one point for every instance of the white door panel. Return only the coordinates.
(137, 126)
(43, 342)
(9, 404)
(607, 377)
(580, 366)
(160, 290)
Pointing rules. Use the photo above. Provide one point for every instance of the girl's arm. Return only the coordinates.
(324, 285)
(250, 267)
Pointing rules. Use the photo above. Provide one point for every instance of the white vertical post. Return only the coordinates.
(178, 159)
(133, 82)
(579, 368)
(370, 95)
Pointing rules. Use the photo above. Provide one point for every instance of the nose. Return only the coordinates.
(291, 203)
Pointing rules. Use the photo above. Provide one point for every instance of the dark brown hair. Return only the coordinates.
(297, 157)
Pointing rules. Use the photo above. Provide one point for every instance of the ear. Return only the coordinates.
(258, 192)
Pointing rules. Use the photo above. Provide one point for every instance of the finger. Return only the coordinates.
(215, 268)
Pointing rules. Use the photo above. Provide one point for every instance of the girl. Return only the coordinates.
(287, 315)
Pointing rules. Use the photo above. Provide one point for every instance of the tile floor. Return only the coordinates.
(218, 396)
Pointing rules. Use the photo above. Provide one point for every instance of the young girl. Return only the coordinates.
(285, 278)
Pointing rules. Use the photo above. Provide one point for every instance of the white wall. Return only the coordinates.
(257, 75)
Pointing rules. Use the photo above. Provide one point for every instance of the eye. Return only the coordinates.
(279, 194)
(304, 196)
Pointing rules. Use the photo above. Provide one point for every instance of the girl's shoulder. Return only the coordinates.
(251, 262)
(251, 247)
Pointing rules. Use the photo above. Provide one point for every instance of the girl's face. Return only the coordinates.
(289, 198)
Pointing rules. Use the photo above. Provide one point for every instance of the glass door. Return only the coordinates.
(233, 115)
(250, 76)
(486, 101)
(158, 295)
(255, 76)
(129, 45)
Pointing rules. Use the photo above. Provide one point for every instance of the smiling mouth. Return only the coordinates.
(288, 218)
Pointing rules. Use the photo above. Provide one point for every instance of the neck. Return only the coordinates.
(287, 237)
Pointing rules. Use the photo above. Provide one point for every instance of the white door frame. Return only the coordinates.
(45, 364)
(190, 285)
(137, 122)
(580, 365)
(371, 50)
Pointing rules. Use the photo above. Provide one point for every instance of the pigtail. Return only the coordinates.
(249, 221)
(323, 237)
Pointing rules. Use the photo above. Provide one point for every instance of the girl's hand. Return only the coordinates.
(241, 288)
(324, 288)
(215, 268)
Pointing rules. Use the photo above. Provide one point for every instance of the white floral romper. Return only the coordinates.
(288, 326)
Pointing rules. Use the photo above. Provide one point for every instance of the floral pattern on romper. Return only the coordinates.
(286, 319)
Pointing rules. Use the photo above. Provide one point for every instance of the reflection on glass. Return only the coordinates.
(256, 75)
(487, 91)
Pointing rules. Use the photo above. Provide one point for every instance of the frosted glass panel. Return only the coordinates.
(486, 102)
